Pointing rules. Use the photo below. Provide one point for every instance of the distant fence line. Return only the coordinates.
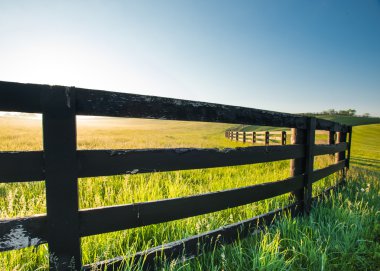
(264, 137)
(60, 165)
(272, 137)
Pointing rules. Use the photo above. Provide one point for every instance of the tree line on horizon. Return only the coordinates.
(332, 112)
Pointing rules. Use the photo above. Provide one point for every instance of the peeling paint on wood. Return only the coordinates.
(106, 103)
(18, 238)
(18, 233)
(68, 99)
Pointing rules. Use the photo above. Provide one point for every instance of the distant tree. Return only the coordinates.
(351, 112)
(366, 115)
(331, 111)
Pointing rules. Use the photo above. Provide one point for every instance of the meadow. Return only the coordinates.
(324, 241)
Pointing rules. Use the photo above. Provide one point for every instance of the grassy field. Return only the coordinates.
(348, 120)
(342, 233)
(28, 198)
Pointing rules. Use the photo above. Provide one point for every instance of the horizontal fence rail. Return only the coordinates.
(18, 97)
(60, 165)
(189, 247)
(115, 218)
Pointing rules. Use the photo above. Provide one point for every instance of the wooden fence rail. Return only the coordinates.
(60, 165)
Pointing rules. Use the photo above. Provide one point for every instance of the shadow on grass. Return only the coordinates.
(368, 163)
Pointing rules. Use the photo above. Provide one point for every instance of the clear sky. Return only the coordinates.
(290, 56)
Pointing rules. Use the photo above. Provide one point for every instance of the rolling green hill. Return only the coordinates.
(348, 120)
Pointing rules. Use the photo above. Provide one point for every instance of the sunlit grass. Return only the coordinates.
(24, 199)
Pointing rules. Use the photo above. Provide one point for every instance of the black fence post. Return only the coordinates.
(341, 137)
(266, 138)
(331, 137)
(309, 163)
(244, 137)
(253, 137)
(349, 147)
(59, 136)
(331, 140)
(283, 138)
(298, 166)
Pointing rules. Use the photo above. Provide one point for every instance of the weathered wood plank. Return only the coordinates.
(18, 97)
(103, 103)
(28, 166)
(111, 162)
(329, 149)
(190, 246)
(101, 220)
(21, 166)
(27, 98)
(324, 172)
(23, 232)
(322, 124)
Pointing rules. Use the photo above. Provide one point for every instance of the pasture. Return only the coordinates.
(280, 247)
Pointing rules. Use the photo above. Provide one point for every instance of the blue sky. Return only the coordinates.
(290, 56)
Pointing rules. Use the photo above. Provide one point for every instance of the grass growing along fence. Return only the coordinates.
(28, 198)
(341, 233)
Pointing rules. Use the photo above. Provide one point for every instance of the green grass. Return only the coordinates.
(265, 251)
(342, 232)
(351, 120)
(348, 120)
(366, 147)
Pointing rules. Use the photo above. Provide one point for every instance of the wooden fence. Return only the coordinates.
(262, 137)
(60, 165)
